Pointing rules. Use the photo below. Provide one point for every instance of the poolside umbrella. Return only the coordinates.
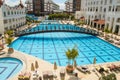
(75, 64)
(36, 65)
(32, 67)
(94, 61)
(55, 66)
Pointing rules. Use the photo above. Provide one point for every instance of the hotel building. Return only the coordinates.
(29, 7)
(69, 6)
(44, 7)
(11, 17)
(38, 7)
(101, 14)
(50, 6)
(72, 5)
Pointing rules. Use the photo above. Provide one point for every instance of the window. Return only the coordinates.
(118, 20)
(104, 9)
(99, 16)
(110, 8)
(100, 9)
(96, 9)
(5, 21)
(117, 8)
(9, 20)
(91, 9)
(8, 13)
(12, 12)
(4, 14)
(110, 1)
(15, 12)
(105, 2)
(102, 2)
(113, 8)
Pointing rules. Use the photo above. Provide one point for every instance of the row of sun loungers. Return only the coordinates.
(83, 69)
(100, 69)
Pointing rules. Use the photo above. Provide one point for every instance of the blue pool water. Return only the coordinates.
(52, 47)
(9, 67)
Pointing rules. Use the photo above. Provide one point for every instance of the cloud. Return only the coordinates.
(14, 2)
(62, 5)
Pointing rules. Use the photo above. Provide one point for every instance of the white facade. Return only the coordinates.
(104, 11)
(11, 17)
(49, 6)
(29, 5)
(69, 6)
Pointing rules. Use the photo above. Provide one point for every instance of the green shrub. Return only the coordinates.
(109, 77)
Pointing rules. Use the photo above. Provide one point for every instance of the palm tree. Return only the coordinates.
(9, 40)
(72, 54)
(68, 54)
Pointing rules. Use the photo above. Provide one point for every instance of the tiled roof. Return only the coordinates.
(101, 22)
(82, 18)
(98, 21)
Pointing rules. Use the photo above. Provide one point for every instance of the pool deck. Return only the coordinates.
(46, 66)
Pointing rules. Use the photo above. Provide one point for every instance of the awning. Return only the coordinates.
(82, 18)
(95, 21)
(101, 22)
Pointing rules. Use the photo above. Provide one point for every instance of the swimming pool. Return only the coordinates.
(52, 47)
(50, 22)
(9, 67)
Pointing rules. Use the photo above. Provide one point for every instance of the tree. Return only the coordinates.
(9, 33)
(68, 54)
(81, 22)
(9, 40)
(72, 54)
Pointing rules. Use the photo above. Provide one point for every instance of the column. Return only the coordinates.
(119, 31)
(93, 24)
(100, 27)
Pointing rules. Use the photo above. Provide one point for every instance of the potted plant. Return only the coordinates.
(71, 55)
(9, 40)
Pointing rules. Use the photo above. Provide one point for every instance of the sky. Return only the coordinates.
(15, 2)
